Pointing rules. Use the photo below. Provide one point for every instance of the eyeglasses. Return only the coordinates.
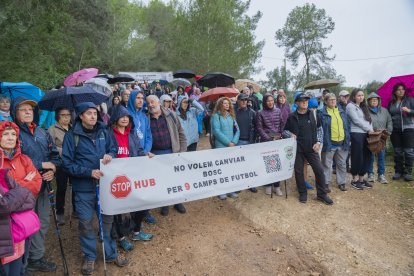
(25, 109)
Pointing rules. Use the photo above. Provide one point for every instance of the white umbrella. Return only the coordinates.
(100, 85)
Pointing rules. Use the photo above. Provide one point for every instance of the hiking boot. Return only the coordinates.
(327, 189)
(277, 191)
(120, 261)
(357, 185)
(60, 219)
(180, 208)
(164, 211)
(366, 185)
(268, 190)
(253, 190)
(325, 199)
(88, 267)
(308, 185)
(396, 176)
(342, 187)
(150, 219)
(382, 179)
(223, 197)
(408, 177)
(41, 265)
(126, 244)
(142, 236)
(371, 177)
(233, 195)
(303, 198)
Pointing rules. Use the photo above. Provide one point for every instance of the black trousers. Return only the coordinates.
(122, 228)
(360, 154)
(403, 144)
(316, 164)
(62, 179)
(192, 147)
(206, 121)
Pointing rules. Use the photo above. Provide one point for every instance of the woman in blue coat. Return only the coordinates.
(225, 130)
(188, 111)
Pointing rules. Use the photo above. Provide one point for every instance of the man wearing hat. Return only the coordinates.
(343, 99)
(38, 145)
(246, 120)
(83, 146)
(305, 126)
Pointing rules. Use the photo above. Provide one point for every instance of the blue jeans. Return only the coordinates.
(380, 162)
(85, 204)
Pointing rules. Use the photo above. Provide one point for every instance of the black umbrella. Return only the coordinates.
(216, 79)
(69, 97)
(104, 76)
(121, 78)
(184, 73)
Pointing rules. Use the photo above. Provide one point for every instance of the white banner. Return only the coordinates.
(150, 76)
(139, 183)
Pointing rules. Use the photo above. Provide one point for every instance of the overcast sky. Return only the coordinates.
(363, 29)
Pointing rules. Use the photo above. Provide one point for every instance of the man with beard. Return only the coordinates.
(167, 136)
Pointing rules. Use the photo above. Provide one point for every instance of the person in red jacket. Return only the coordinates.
(20, 166)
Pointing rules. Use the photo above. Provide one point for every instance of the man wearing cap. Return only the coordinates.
(38, 145)
(343, 99)
(246, 120)
(83, 146)
(307, 128)
(158, 89)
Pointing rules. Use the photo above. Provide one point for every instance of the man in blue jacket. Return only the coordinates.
(84, 145)
(38, 145)
(141, 121)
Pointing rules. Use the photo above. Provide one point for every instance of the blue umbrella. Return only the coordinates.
(25, 89)
(69, 97)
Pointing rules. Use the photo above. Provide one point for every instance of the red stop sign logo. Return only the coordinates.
(120, 186)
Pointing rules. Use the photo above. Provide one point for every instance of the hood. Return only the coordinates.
(131, 101)
(165, 97)
(179, 100)
(4, 125)
(120, 111)
(312, 103)
(374, 95)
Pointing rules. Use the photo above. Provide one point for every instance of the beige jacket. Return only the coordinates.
(58, 133)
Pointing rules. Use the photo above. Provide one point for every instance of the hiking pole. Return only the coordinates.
(50, 194)
(286, 188)
(98, 210)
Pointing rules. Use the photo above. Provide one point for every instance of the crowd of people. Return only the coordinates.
(331, 137)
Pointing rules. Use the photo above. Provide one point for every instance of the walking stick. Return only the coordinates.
(286, 188)
(50, 194)
(98, 210)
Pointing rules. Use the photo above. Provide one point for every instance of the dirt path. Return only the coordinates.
(366, 232)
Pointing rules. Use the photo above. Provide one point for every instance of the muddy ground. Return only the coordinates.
(367, 232)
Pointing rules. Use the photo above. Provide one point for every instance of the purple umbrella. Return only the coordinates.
(385, 91)
(80, 76)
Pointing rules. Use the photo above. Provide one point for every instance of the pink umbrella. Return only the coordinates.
(215, 93)
(385, 91)
(80, 76)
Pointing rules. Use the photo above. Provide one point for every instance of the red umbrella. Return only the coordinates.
(385, 91)
(197, 77)
(218, 92)
(80, 76)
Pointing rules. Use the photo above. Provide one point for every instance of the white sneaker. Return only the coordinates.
(268, 190)
(371, 177)
(233, 195)
(277, 191)
(382, 179)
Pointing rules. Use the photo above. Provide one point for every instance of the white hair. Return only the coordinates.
(153, 97)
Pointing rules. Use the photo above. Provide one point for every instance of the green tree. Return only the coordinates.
(302, 36)
(372, 86)
(277, 78)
